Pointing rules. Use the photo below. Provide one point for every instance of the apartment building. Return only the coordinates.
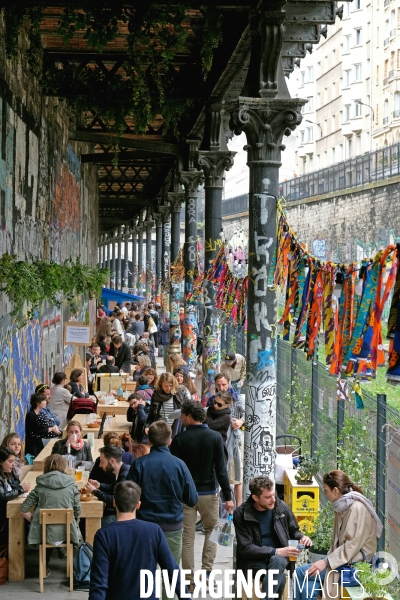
(352, 84)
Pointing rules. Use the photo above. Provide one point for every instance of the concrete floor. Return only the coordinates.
(56, 585)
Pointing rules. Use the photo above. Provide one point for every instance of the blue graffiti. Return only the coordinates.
(265, 359)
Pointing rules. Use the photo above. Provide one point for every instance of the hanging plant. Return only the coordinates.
(30, 284)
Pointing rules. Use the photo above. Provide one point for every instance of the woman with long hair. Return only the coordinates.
(177, 362)
(10, 488)
(73, 443)
(54, 489)
(355, 532)
(77, 378)
(60, 398)
(152, 377)
(13, 442)
(167, 398)
(186, 384)
(38, 428)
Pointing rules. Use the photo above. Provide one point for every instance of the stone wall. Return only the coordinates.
(48, 210)
(344, 226)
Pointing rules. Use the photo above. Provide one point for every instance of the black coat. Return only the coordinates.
(5, 496)
(138, 419)
(78, 391)
(36, 429)
(250, 550)
(122, 356)
(106, 492)
(219, 420)
(108, 369)
(157, 406)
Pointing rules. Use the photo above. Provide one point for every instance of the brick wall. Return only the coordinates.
(48, 209)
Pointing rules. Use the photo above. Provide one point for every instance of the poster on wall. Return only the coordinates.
(78, 334)
(393, 493)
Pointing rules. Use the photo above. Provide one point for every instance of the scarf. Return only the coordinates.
(345, 501)
(78, 445)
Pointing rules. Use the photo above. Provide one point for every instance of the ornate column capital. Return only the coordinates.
(191, 180)
(214, 164)
(157, 219)
(165, 211)
(140, 229)
(148, 225)
(175, 200)
(265, 121)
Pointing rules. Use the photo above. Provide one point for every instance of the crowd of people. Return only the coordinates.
(176, 471)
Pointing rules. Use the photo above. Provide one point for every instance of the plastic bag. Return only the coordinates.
(223, 532)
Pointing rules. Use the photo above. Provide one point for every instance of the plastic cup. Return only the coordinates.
(293, 544)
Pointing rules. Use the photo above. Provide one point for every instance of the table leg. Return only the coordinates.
(16, 549)
(92, 525)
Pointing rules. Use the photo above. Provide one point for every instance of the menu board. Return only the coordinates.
(78, 334)
(393, 493)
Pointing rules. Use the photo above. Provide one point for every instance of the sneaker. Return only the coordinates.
(47, 574)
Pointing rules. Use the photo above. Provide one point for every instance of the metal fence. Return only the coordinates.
(373, 166)
(233, 339)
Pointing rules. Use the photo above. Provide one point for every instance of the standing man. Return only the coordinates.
(137, 414)
(264, 524)
(234, 366)
(167, 486)
(122, 354)
(203, 452)
(125, 548)
(110, 462)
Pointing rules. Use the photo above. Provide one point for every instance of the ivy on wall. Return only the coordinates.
(28, 285)
(156, 34)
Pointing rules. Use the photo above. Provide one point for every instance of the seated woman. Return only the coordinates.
(73, 442)
(143, 389)
(356, 527)
(144, 363)
(38, 428)
(43, 388)
(10, 488)
(97, 473)
(152, 377)
(77, 378)
(13, 442)
(54, 489)
(60, 398)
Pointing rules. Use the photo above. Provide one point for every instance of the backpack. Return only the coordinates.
(81, 406)
(82, 566)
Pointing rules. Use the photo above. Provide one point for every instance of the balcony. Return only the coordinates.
(393, 33)
(385, 120)
(392, 74)
(396, 114)
(385, 42)
(360, 170)
(385, 81)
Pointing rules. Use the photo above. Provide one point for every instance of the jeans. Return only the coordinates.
(208, 507)
(174, 541)
(107, 519)
(277, 563)
(306, 593)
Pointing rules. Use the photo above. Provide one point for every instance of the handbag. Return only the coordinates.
(3, 566)
(348, 574)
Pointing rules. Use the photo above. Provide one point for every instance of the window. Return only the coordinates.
(302, 137)
(377, 74)
(358, 145)
(349, 148)
(346, 47)
(309, 105)
(347, 113)
(310, 73)
(302, 78)
(346, 79)
(377, 114)
(386, 68)
(346, 11)
(357, 108)
(358, 36)
(319, 70)
(334, 89)
(396, 105)
(357, 72)
(319, 100)
(341, 117)
(386, 108)
(367, 103)
(357, 5)
(398, 56)
(341, 155)
(333, 57)
(310, 136)
(334, 123)
(333, 155)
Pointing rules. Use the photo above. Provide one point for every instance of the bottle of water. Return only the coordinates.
(226, 534)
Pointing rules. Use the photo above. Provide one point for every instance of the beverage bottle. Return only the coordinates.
(226, 531)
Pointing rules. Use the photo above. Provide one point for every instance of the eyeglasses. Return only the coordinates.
(330, 477)
(218, 404)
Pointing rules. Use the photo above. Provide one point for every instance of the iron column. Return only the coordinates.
(133, 276)
(139, 230)
(118, 278)
(148, 225)
(113, 268)
(159, 226)
(175, 199)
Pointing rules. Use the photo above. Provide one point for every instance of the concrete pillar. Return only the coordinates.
(191, 180)
(175, 200)
(266, 113)
(214, 158)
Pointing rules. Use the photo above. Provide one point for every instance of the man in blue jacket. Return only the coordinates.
(166, 486)
(125, 548)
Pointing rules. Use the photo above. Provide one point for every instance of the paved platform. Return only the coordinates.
(57, 585)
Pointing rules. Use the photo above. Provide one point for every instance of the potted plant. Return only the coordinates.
(322, 535)
(308, 468)
(370, 581)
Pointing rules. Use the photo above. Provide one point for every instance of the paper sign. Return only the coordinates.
(79, 335)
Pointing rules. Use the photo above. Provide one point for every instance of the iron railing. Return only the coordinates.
(360, 170)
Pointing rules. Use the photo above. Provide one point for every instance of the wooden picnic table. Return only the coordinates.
(118, 424)
(92, 511)
(38, 462)
(111, 409)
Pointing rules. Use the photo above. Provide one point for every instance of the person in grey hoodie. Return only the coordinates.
(54, 489)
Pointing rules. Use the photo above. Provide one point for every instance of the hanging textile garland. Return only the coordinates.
(393, 372)
(196, 295)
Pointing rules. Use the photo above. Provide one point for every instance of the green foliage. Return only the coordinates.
(370, 580)
(30, 284)
(322, 535)
(299, 397)
(308, 468)
(355, 453)
(155, 33)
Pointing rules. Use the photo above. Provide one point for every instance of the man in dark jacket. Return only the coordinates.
(122, 354)
(166, 486)
(137, 414)
(264, 524)
(203, 452)
(110, 462)
(109, 367)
